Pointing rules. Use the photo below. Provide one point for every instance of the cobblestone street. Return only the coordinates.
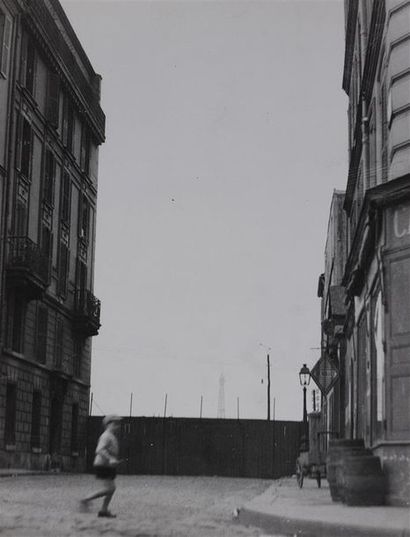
(146, 506)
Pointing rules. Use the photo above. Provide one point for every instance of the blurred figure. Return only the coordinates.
(105, 465)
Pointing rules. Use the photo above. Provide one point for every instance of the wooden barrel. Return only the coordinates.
(354, 451)
(334, 458)
(364, 482)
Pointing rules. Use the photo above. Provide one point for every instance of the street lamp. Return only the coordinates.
(304, 379)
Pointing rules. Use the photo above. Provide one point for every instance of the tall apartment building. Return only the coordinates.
(376, 357)
(333, 315)
(51, 126)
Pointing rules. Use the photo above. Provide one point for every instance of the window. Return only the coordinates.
(28, 64)
(10, 422)
(23, 146)
(74, 428)
(59, 344)
(84, 218)
(65, 201)
(85, 150)
(47, 245)
(49, 173)
(68, 123)
(5, 41)
(81, 278)
(16, 320)
(63, 258)
(21, 218)
(36, 420)
(78, 356)
(53, 97)
(41, 334)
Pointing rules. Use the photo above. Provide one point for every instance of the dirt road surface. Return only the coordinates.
(146, 506)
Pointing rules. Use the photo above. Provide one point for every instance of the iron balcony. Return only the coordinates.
(27, 267)
(87, 310)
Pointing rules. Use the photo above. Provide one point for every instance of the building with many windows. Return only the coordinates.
(51, 126)
(373, 353)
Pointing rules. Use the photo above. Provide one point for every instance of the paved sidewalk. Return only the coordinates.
(309, 512)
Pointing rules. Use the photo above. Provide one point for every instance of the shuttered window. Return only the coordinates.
(36, 420)
(5, 42)
(65, 198)
(28, 64)
(53, 98)
(68, 123)
(10, 421)
(85, 150)
(47, 245)
(59, 342)
(21, 219)
(84, 218)
(17, 310)
(41, 334)
(49, 173)
(25, 147)
(63, 268)
(78, 356)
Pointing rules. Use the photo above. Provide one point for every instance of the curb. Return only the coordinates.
(312, 528)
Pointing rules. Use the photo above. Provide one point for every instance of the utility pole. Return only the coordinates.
(130, 405)
(200, 410)
(165, 405)
(237, 407)
(268, 364)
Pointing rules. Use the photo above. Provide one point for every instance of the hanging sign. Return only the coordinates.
(325, 374)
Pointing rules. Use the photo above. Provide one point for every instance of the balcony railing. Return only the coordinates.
(87, 312)
(27, 266)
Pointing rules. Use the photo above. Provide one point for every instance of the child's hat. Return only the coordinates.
(110, 418)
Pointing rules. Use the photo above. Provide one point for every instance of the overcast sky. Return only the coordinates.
(226, 135)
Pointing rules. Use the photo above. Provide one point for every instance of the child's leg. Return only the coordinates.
(108, 495)
(107, 489)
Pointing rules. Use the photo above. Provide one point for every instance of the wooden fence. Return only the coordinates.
(199, 446)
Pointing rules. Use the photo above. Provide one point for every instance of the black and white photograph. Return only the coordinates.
(205, 268)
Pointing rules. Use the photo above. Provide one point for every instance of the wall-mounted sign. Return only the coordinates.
(398, 225)
(325, 374)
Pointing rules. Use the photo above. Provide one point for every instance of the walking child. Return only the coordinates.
(105, 465)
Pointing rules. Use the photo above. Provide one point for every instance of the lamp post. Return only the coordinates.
(304, 379)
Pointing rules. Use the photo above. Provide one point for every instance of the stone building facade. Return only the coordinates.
(375, 397)
(51, 127)
(333, 316)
